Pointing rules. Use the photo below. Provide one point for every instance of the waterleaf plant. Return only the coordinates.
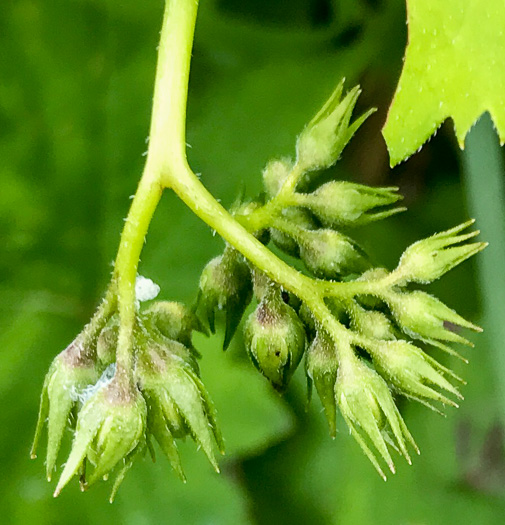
(131, 377)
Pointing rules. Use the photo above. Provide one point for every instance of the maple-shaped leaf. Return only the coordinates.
(454, 67)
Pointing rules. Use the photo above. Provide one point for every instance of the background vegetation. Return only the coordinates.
(75, 95)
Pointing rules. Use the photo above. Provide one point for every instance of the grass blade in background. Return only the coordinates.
(484, 177)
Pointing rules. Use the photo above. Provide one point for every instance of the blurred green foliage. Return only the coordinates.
(75, 95)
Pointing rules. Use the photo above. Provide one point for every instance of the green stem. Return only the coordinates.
(125, 270)
(194, 194)
(167, 140)
(166, 144)
(102, 315)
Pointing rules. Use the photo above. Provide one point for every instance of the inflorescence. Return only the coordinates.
(363, 330)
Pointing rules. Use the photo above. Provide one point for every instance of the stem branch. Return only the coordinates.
(166, 143)
(167, 167)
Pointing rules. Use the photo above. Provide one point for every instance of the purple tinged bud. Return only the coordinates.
(225, 284)
(71, 372)
(275, 338)
(110, 428)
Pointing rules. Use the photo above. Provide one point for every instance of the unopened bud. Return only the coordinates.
(411, 371)
(371, 323)
(308, 321)
(298, 217)
(331, 255)
(368, 408)
(225, 284)
(321, 142)
(71, 372)
(110, 427)
(262, 284)
(275, 339)
(177, 396)
(274, 175)
(339, 203)
(421, 315)
(428, 259)
(174, 320)
(321, 366)
(107, 342)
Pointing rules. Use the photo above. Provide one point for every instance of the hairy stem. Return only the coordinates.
(166, 143)
(125, 270)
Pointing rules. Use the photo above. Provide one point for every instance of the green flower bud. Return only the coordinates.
(339, 203)
(275, 339)
(274, 175)
(368, 408)
(321, 142)
(174, 320)
(225, 284)
(412, 372)
(298, 217)
(177, 401)
(152, 358)
(321, 367)
(428, 259)
(110, 429)
(160, 422)
(423, 316)
(330, 255)
(71, 372)
(372, 324)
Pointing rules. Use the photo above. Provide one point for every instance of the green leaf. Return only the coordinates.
(453, 68)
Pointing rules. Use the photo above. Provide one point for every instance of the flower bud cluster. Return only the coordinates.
(363, 337)
(115, 413)
(375, 354)
(363, 348)
(307, 225)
